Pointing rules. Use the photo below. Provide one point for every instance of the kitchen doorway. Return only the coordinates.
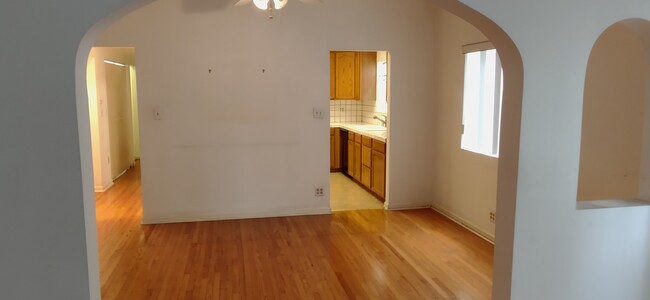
(359, 124)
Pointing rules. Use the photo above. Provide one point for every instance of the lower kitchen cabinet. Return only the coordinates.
(357, 160)
(378, 184)
(335, 149)
(331, 149)
(351, 162)
(366, 176)
(366, 161)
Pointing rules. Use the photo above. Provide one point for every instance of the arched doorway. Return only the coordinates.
(509, 143)
(513, 73)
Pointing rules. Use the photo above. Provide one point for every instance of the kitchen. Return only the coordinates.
(359, 93)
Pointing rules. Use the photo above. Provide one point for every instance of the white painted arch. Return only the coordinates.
(513, 73)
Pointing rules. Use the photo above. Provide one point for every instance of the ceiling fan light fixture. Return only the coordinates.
(280, 3)
(262, 4)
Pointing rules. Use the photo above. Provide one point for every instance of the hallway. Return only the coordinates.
(370, 254)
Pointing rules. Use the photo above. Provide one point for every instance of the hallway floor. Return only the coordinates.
(365, 254)
(345, 194)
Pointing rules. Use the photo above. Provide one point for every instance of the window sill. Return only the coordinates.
(596, 204)
(480, 153)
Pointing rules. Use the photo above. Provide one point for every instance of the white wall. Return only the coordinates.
(47, 215)
(98, 109)
(561, 252)
(48, 232)
(239, 142)
(134, 110)
(95, 111)
(464, 183)
(120, 118)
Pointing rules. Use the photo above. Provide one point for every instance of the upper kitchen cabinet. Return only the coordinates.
(368, 77)
(345, 66)
(353, 75)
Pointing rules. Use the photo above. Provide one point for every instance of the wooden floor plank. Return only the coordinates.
(366, 254)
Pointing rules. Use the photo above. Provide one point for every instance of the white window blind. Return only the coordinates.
(482, 102)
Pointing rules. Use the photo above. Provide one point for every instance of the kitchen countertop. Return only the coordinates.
(377, 132)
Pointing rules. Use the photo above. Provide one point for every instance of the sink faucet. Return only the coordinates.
(383, 121)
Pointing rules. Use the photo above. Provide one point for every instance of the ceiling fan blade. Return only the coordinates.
(312, 1)
(243, 2)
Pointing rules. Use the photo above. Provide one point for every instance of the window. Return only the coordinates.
(382, 83)
(482, 102)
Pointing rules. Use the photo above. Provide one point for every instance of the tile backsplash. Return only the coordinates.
(346, 111)
(354, 111)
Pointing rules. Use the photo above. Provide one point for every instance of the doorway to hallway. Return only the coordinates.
(113, 112)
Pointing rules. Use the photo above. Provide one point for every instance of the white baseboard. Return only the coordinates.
(216, 216)
(462, 222)
(405, 206)
(101, 189)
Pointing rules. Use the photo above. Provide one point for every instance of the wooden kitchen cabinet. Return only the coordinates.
(368, 76)
(366, 158)
(353, 75)
(354, 155)
(346, 70)
(335, 149)
(366, 161)
(366, 143)
(351, 154)
(366, 176)
(378, 182)
(331, 149)
(332, 75)
(357, 158)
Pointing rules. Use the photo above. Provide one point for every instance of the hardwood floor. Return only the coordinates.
(370, 254)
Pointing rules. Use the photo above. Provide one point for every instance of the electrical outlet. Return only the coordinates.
(318, 113)
(493, 216)
(319, 192)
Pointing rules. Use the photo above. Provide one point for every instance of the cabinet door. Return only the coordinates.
(351, 157)
(368, 77)
(378, 184)
(331, 152)
(366, 161)
(332, 75)
(366, 156)
(366, 174)
(366, 144)
(346, 84)
(357, 161)
(337, 148)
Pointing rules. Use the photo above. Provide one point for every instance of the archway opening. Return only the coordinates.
(513, 78)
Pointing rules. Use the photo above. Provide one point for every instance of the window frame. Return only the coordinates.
(496, 101)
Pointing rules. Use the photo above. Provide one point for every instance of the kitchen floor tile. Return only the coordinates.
(346, 194)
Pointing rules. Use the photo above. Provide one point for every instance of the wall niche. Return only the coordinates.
(615, 143)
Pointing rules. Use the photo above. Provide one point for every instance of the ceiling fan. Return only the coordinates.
(271, 5)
